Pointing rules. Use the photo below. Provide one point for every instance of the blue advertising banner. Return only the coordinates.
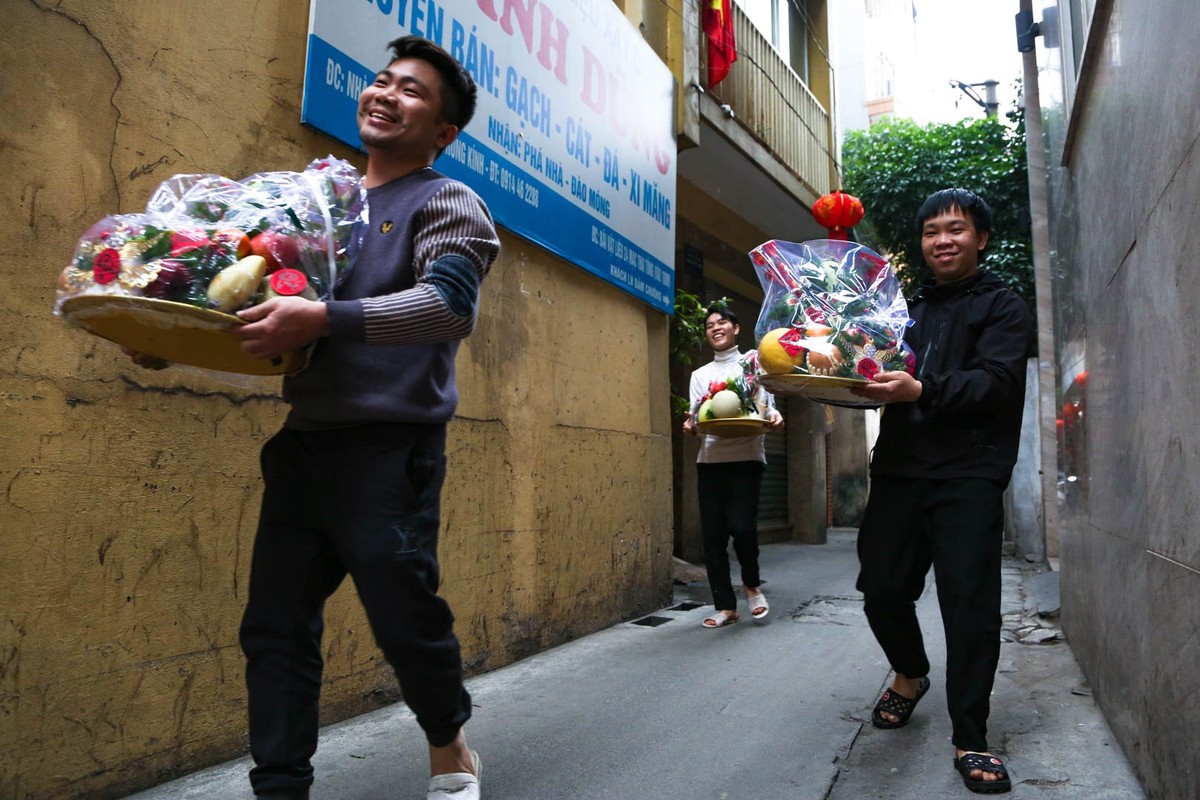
(572, 143)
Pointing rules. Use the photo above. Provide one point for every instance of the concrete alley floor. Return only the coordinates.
(775, 711)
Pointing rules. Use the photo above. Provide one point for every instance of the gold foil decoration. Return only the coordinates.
(135, 274)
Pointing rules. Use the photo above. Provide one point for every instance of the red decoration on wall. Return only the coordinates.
(839, 212)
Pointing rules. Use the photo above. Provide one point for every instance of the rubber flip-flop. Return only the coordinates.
(984, 762)
(720, 619)
(898, 706)
(759, 608)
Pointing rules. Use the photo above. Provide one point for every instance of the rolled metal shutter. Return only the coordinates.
(772, 498)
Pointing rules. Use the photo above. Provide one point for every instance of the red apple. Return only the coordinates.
(279, 250)
(172, 281)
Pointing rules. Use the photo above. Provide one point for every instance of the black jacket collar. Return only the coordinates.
(982, 280)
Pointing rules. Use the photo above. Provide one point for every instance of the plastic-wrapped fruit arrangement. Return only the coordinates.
(169, 279)
(833, 316)
(731, 407)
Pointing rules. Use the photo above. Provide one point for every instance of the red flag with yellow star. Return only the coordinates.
(718, 28)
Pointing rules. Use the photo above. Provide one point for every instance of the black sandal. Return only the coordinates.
(983, 762)
(898, 706)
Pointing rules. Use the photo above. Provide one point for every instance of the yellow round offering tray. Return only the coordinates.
(178, 332)
(733, 426)
(832, 391)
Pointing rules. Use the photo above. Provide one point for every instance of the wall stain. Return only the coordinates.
(146, 169)
(104, 547)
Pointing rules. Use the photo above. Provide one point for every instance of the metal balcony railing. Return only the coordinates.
(773, 104)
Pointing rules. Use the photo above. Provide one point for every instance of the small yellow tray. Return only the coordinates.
(178, 332)
(733, 426)
(832, 391)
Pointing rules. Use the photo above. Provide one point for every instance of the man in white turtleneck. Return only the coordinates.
(728, 474)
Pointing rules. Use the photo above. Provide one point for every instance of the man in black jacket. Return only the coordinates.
(947, 444)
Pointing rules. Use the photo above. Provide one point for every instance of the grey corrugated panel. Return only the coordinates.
(772, 499)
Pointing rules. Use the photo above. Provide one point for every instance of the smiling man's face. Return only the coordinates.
(402, 110)
(951, 245)
(720, 332)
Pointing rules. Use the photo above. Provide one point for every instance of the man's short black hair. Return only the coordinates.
(458, 89)
(724, 311)
(946, 199)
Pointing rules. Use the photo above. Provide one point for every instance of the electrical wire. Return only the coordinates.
(802, 7)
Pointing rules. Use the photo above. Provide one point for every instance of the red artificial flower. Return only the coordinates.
(107, 266)
(868, 368)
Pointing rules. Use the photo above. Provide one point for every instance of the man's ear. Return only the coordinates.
(983, 240)
(446, 135)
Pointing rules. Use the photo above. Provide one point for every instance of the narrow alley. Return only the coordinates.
(661, 708)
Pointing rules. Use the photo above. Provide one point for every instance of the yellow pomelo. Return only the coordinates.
(704, 413)
(773, 357)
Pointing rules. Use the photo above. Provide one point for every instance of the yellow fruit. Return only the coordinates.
(774, 357)
(704, 413)
(232, 286)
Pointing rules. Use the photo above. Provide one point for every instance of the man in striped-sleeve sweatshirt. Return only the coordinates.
(352, 481)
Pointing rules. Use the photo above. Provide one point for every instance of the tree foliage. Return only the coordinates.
(686, 336)
(896, 164)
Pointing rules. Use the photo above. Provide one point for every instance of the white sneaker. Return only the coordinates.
(456, 785)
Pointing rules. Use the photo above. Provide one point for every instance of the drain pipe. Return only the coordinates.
(1035, 148)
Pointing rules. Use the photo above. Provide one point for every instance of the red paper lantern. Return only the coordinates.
(839, 212)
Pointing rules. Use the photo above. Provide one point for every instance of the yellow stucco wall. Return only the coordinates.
(130, 497)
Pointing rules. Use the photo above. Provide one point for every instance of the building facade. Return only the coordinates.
(1122, 174)
(756, 151)
(131, 496)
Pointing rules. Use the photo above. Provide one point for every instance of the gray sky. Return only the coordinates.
(967, 40)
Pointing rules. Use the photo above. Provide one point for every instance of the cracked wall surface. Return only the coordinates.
(130, 497)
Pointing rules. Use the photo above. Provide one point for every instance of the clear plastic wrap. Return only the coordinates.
(197, 226)
(741, 385)
(167, 282)
(833, 312)
(734, 406)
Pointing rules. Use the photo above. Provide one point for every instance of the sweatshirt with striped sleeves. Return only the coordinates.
(409, 300)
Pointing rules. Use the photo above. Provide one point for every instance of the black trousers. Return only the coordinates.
(362, 501)
(957, 526)
(729, 509)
